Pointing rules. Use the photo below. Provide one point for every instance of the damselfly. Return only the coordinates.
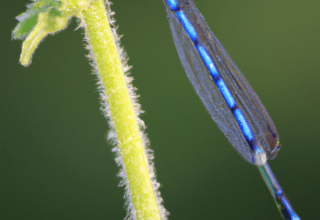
(225, 93)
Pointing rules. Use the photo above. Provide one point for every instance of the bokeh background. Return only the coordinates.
(56, 164)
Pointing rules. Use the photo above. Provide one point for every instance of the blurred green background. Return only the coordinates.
(56, 164)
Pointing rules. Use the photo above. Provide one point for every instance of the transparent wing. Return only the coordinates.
(265, 132)
(206, 89)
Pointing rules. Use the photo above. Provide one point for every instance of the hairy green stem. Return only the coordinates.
(122, 112)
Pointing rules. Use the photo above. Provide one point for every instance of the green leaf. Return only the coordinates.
(29, 19)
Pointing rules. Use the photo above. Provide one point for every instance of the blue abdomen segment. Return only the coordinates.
(187, 25)
(173, 5)
(243, 124)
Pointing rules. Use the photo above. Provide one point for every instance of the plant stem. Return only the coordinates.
(122, 112)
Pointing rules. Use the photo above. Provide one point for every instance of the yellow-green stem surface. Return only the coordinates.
(122, 112)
